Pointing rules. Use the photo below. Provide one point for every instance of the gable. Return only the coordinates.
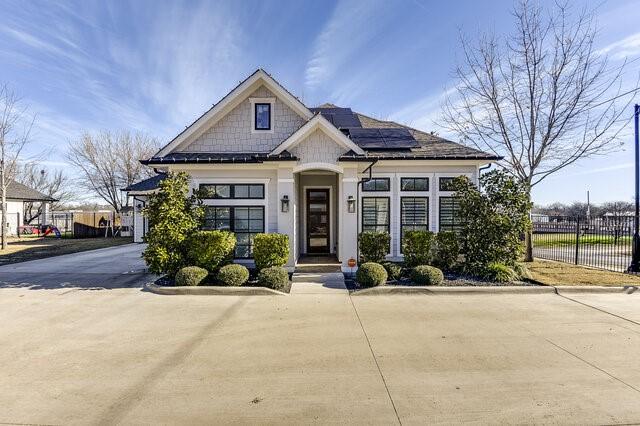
(318, 147)
(233, 132)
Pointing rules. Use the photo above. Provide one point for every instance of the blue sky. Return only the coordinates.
(155, 66)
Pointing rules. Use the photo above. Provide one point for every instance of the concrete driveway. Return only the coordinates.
(113, 267)
(122, 355)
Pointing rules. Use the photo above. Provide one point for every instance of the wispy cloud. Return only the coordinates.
(626, 48)
(424, 112)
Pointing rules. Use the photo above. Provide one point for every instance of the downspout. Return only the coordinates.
(360, 182)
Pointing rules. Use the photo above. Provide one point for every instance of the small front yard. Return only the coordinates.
(21, 250)
(548, 272)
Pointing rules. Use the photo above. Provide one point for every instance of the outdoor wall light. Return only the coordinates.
(351, 204)
(284, 204)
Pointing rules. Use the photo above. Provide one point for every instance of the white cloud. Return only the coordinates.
(622, 49)
(424, 112)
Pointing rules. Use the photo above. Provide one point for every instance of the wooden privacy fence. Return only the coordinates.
(91, 224)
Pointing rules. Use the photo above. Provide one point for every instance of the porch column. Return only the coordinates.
(348, 221)
(287, 221)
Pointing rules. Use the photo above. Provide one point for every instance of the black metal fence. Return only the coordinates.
(602, 242)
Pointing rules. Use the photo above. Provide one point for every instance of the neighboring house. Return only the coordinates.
(268, 163)
(140, 191)
(17, 195)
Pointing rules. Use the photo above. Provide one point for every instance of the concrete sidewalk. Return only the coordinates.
(318, 283)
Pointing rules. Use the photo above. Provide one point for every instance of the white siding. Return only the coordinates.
(233, 132)
(318, 148)
(15, 213)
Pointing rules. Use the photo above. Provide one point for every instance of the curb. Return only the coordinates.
(213, 291)
(628, 289)
(433, 290)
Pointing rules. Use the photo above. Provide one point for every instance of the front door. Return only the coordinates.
(318, 221)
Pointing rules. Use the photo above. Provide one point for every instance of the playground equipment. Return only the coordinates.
(49, 229)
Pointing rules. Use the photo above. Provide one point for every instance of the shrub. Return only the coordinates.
(427, 275)
(270, 250)
(394, 271)
(416, 247)
(275, 277)
(447, 250)
(191, 275)
(499, 272)
(522, 271)
(210, 249)
(233, 275)
(371, 274)
(374, 246)
(173, 216)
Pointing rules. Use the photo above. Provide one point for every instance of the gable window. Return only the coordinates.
(231, 191)
(262, 116)
(449, 219)
(376, 185)
(414, 215)
(244, 221)
(414, 184)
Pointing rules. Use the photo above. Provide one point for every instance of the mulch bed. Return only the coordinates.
(168, 282)
(450, 280)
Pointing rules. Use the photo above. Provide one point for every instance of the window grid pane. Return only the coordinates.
(263, 117)
(414, 215)
(245, 222)
(414, 184)
(445, 183)
(376, 184)
(448, 214)
(235, 191)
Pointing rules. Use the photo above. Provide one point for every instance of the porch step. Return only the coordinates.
(318, 283)
(318, 264)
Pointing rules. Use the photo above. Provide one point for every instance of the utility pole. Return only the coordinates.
(635, 259)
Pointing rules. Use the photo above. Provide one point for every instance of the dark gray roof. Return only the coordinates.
(218, 157)
(18, 191)
(146, 185)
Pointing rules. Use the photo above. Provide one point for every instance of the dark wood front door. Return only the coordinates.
(318, 221)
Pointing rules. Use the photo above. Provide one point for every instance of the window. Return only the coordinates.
(262, 116)
(414, 184)
(448, 214)
(375, 214)
(376, 184)
(414, 215)
(244, 221)
(235, 191)
(446, 184)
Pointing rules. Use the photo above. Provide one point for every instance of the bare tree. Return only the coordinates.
(55, 184)
(15, 129)
(109, 161)
(542, 97)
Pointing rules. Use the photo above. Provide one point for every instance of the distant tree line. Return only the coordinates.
(580, 209)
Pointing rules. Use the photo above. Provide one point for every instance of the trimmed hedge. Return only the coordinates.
(499, 272)
(275, 277)
(447, 250)
(233, 275)
(270, 250)
(416, 247)
(427, 275)
(394, 271)
(191, 276)
(374, 246)
(371, 274)
(211, 249)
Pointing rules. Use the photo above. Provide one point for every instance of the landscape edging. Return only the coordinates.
(212, 290)
(434, 290)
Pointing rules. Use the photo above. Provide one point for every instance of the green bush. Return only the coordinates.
(371, 274)
(427, 275)
(499, 272)
(233, 275)
(416, 247)
(394, 271)
(173, 216)
(447, 250)
(211, 249)
(374, 246)
(270, 250)
(522, 271)
(275, 277)
(191, 276)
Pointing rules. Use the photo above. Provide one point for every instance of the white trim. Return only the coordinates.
(399, 193)
(286, 180)
(253, 102)
(317, 166)
(350, 180)
(331, 216)
(318, 122)
(230, 101)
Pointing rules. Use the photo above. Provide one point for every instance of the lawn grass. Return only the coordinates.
(569, 239)
(549, 272)
(23, 249)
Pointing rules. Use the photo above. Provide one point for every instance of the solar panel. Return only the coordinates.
(339, 117)
(385, 138)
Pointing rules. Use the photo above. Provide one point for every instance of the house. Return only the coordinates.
(17, 195)
(269, 163)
